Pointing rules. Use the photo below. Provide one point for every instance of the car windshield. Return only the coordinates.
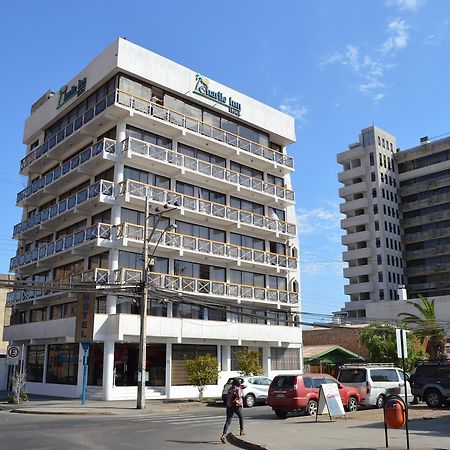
(286, 382)
(352, 375)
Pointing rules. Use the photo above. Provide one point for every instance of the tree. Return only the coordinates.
(18, 383)
(202, 370)
(248, 362)
(379, 339)
(425, 325)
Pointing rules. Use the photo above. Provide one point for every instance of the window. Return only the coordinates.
(146, 136)
(201, 193)
(145, 177)
(375, 209)
(181, 352)
(199, 271)
(372, 176)
(62, 364)
(381, 294)
(372, 162)
(247, 278)
(384, 375)
(35, 363)
(201, 155)
(248, 171)
(247, 205)
(380, 277)
(374, 192)
(379, 259)
(279, 283)
(377, 225)
(38, 315)
(277, 214)
(285, 359)
(200, 231)
(248, 241)
(273, 179)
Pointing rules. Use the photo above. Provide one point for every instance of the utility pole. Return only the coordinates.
(143, 334)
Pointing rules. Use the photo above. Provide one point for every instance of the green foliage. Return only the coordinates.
(202, 370)
(426, 326)
(247, 362)
(379, 339)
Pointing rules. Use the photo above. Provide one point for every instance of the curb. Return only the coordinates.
(240, 443)
(64, 413)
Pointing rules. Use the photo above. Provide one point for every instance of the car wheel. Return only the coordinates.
(352, 404)
(380, 401)
(433, 398)
(249, 400)
(280, 413)
(311, 408)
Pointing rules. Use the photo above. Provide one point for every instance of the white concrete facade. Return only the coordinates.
(134, 125)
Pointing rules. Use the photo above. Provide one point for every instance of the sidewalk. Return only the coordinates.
(362, 430)
(49, 405)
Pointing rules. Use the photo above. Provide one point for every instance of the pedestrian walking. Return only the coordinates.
(234, 406)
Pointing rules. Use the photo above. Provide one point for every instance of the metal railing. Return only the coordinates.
(209, 287)
(161, 112)
(105, 145)
(101, 187)
(206, 246)
(206, 168)
(100, 230)
(68, 130)
(160, 195)
(97, 276)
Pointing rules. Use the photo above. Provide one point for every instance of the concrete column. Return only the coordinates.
(226, 358)
(80, 370)
(168, 368)
(108, 369)
(266, 360)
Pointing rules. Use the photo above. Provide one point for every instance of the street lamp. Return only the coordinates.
(147, 261)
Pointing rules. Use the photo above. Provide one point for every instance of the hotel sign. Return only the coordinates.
(202, 88)
(65, 94)
(84, 328)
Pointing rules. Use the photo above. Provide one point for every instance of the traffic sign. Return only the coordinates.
(13, 355)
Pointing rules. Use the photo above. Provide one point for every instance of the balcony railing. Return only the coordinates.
(209, 287)
(206, 246)
(221, 173)
(105, 145)
(160, 195)
(102, 187)
(97, 276)
(100, 230)
(69, 129)
(152, 109)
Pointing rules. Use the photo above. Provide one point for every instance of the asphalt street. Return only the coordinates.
(181, 430)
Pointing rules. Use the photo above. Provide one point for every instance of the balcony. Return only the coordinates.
(99, 233)
(86, 163)
(80, 203)
(356, 188)
(358, 288)
(204, 130)
(349, 222)
(426, 235)
(195, 286)
(356, 172)
(357, 271)
(130, 233)
(358, 151)
(355, 237)
(34, 331)
(263, 190)
(428, 269)
(61, 286)
(360, 203)
(215, 212)
(357, 254)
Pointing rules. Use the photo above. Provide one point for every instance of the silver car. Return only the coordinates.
(256, 389)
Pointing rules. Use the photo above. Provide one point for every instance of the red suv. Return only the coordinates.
(300, 392)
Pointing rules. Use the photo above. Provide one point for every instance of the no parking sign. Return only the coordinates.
(13, 355)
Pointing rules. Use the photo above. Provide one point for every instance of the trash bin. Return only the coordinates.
(395, 412)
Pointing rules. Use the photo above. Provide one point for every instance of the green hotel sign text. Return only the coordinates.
(65, 94)
(201, 88)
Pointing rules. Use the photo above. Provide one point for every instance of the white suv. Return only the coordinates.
(375, 382)
(256, 389)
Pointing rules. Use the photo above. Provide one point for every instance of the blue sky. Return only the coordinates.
(337, 66)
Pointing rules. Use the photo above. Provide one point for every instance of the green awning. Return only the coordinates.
(334, 354)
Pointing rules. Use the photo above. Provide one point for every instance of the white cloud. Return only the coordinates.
(398, 29)
(369, 70)
(405, 5)
(293, 107)
(318, 220)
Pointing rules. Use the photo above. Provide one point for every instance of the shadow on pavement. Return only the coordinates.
(194, 442)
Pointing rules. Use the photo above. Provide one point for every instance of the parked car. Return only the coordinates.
(375, 382)
(430, 381)
(255, 390)
(300, 392)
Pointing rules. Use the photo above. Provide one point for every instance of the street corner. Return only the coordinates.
(245, 443)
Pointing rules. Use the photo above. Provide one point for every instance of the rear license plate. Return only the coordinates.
(280, 395)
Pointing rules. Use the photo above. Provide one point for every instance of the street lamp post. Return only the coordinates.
(147, 261)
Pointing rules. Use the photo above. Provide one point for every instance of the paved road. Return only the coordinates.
(182, 430)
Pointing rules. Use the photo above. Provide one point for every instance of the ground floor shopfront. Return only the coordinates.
(57, 369)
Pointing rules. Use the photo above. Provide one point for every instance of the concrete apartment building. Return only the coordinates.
(131, 126)
(397, 223)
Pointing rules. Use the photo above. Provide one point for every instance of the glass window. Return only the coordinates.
(62, 364)
(384, 375)
(142, 176)
(35, 363)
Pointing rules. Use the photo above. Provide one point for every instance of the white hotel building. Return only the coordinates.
(134, 125)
